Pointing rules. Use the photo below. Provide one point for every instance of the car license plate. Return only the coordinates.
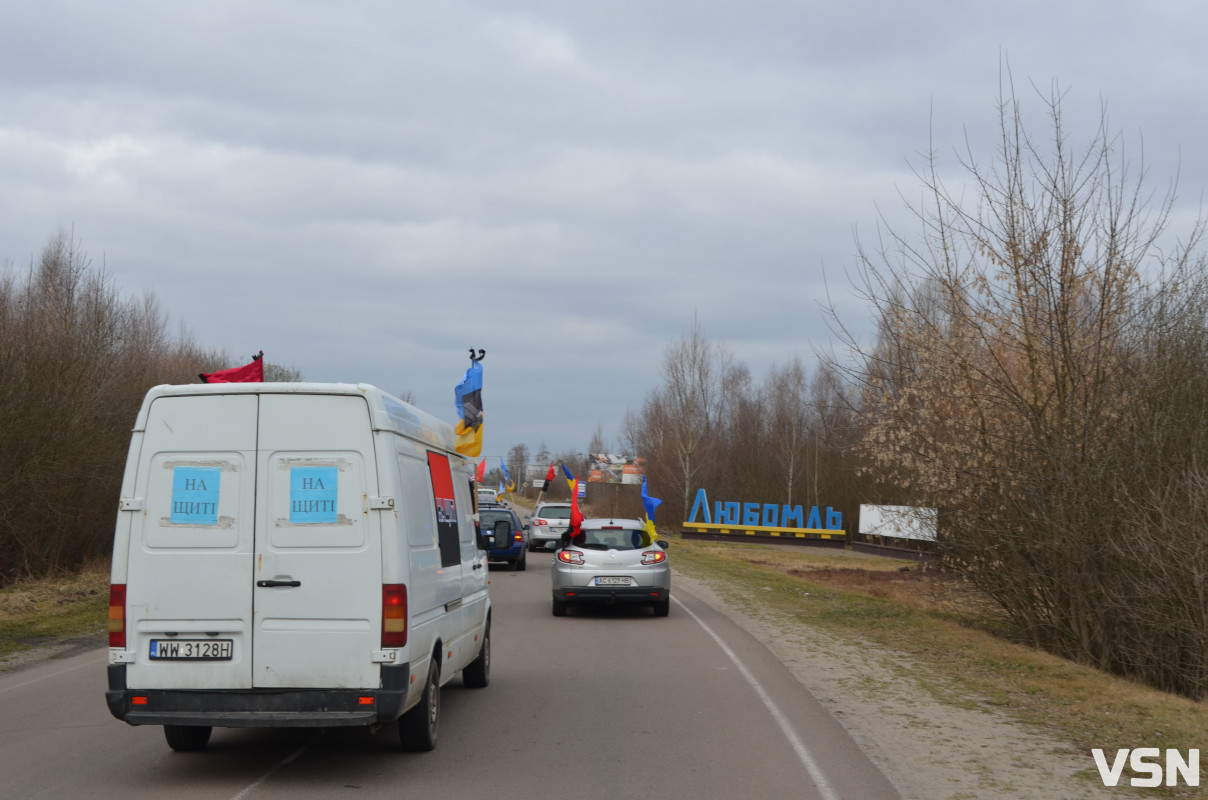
(191, 649)
(606, 580)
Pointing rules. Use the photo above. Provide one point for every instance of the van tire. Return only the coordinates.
(477, 674)
(187, 738)
(418, 728)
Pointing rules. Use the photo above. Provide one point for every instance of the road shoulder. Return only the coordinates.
(928, 749)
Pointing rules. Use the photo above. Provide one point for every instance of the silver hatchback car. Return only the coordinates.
(548, 523)
(612, 561)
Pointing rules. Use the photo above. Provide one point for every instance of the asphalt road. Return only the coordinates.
(602, 703)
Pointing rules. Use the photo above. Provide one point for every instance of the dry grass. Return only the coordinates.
(40, 612)
(924, 614)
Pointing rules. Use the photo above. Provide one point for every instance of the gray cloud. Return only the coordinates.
(365, 190)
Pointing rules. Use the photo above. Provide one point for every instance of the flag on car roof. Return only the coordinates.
(576, 516)
(481, 471)
(248, 373)
(650, 504)
(549, 476)
(469, 408)
(570, 479)
(507, 476)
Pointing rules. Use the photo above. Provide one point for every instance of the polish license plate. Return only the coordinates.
(191, 649)
(605, 580)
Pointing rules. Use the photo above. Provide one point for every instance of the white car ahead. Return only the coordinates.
(612, 561)
(547, 524)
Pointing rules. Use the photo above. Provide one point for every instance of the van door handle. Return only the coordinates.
(271, 584)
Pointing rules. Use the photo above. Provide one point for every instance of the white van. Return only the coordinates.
(293, 555)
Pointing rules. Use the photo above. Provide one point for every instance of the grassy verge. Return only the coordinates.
(35, 613)
(925, 616)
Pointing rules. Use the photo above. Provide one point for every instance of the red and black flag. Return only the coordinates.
(248, 373)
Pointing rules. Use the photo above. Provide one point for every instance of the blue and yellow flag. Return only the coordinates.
(507, 476)
(469, 409)
(650, 504)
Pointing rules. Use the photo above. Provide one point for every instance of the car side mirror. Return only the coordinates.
(661, 543)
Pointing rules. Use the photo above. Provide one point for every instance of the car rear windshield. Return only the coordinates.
(613, 539)
(555, 512)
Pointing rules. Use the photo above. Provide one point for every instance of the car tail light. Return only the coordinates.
(394, 615)
(570, 556)
(117, 615)
(540, 521)
(654, 557)
(518, 536)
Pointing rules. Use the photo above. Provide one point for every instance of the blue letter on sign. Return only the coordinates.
(195, 495)
(701, 502)
(312, 494)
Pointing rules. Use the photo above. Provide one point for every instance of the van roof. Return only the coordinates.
(386, 412)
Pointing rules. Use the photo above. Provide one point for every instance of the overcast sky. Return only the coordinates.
(366, 190)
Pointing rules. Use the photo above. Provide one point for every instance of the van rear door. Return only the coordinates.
(318, 572)
(190, 556)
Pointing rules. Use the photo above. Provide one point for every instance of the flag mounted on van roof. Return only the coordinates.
(248, 373)
(469, 408)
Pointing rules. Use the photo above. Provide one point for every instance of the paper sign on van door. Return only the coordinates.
(195, 495)
(312, 495)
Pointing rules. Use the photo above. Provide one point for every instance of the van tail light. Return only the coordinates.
(394, 615)
(654, 557)
(117, 615)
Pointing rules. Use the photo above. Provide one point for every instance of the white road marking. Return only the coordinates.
(288, 759)
(803, 753)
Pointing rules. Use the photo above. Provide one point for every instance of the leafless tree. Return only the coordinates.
(690, 402)
(1005, 385)
(76, 358)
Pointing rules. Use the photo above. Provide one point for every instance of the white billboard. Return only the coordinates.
(898, 522)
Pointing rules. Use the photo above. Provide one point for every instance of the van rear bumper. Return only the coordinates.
(259, 708)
